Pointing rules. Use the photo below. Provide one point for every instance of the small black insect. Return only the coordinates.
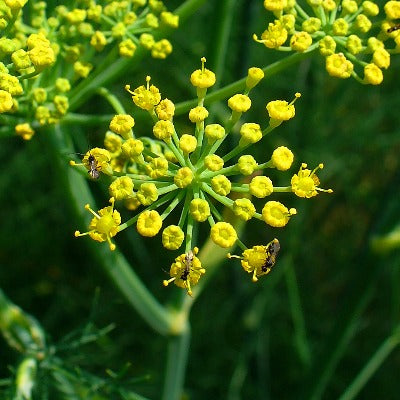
(393, 28)
(188, 263)
(272, 250)
(93, 167)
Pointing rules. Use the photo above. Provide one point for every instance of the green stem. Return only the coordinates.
(297, 315)
(239, 85)
(86, 119)
(371, 367)
(178, 350)
(113, 262)
(112, 99)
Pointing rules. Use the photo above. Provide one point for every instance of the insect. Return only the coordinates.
(393, 28)
(188, 264)
(272, 250)
(93, 167)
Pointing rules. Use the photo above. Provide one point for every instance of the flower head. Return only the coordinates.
(350, 27)
(184, 172)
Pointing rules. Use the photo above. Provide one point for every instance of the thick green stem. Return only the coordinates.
(178, 349)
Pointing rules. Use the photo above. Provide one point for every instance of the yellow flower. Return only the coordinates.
(157, 167)
(161, 49)
(10, 84)
(213, 162)
(61, 103)
(186, 271)
(282, 158)
(172, 237)
(370, 8)
(82, 69)
(362, 23)
(247, 164)
(198, 114)
(239, 103)
(42, 56)
(132, 148)
(127, 48)
(305, 182)
(276, 214)
(183, 177)
(199, 209)
(23, 130)
(274, 37)
(163, 130)
(165, 110)
(223, 234)
(354, 44)
(104, 225)
(373, 74)
(254, 76)
(147, 194)
(340, 27)
(149, 223)
(6, 101)
(311, 25)
(112, 143)
(187, 143)
(392, 9)
(327, 46)
(221, 185)
(202, 78)
(250, 133)
(97, 159)
(145, 97)
(98, 41)
(214, 132)
(381, 58)
(122, 124)
(261, 186)
(147, 40)
(275, 5)
(121, 188)
(244, 209)
(280, 110)
(15, 5)
(300, 41)
(259, 260)
(169, 19)
(339, 66)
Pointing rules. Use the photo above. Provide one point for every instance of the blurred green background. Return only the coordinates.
(303, 332)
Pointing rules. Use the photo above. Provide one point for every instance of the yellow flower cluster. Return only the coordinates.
(31, 46)
(346, 33)
(156, 175)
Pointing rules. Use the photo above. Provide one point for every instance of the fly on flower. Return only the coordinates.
(94, 171)
(259, 260)
(186, 271)
(393, 28)
(96, 160)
